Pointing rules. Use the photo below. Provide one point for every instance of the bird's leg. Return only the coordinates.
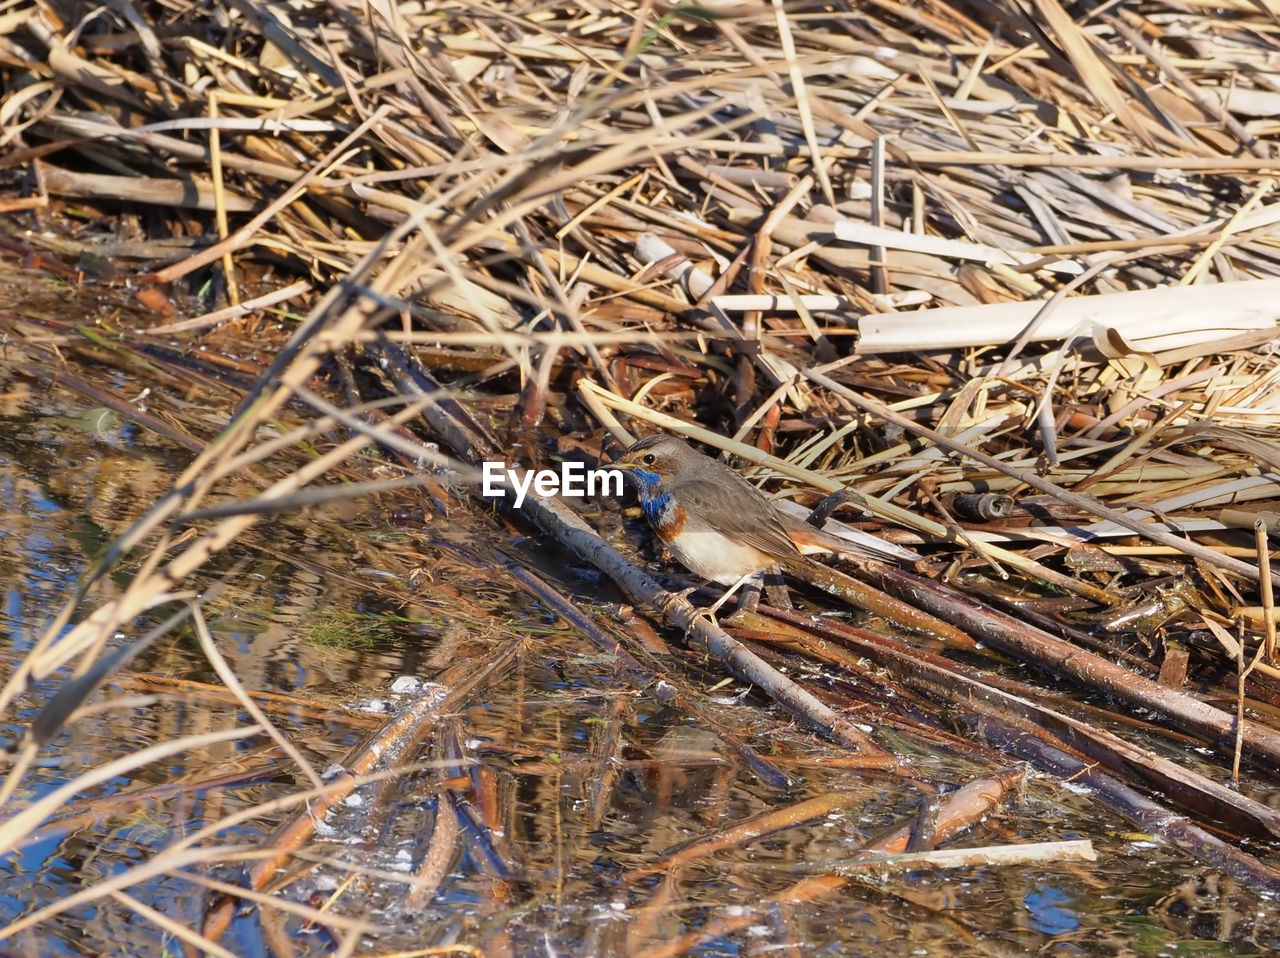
(820, 513)
(676, 596)
(750, 598)
(710, 611)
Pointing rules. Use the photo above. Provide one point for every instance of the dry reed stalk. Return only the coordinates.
(477, 176)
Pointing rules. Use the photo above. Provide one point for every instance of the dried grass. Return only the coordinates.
(996, 204)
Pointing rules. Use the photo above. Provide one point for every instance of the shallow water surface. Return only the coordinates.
(565, 804)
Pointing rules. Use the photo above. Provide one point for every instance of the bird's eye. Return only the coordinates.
(649, 458)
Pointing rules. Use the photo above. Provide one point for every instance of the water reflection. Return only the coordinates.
(562, 808)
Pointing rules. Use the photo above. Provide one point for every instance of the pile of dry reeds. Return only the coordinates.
(1008, 271)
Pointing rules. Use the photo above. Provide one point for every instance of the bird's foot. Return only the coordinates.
(709, 613)
(667, 599)
(750, 599)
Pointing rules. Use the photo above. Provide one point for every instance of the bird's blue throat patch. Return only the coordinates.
(647, 479)
(654, 506)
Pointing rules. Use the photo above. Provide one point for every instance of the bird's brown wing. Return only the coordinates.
(809, 539)
(740, 513)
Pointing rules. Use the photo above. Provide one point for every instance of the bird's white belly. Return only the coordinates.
(713, 555)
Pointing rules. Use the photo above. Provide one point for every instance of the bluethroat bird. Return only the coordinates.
(721, 527)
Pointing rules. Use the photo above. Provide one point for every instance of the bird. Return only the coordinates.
(717, 524)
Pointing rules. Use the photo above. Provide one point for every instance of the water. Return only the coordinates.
(566, 805)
